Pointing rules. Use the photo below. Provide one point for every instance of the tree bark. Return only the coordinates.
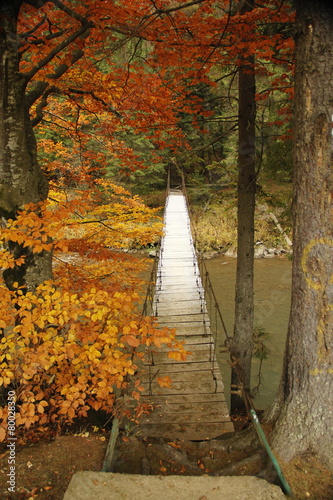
(241, 346)
(303, 407)
(21, 178)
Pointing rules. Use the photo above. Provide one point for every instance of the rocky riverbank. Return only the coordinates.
(215, 232)
(261, 251)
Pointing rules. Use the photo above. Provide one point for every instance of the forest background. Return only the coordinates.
(100, 99)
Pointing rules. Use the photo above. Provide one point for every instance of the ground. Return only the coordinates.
(44, 469)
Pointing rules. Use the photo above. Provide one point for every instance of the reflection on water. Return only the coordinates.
(272, 305)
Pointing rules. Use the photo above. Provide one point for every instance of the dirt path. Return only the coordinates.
(45, 469)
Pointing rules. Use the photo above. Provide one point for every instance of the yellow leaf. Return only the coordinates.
(40, 322)
(175, 355)
(40, 408)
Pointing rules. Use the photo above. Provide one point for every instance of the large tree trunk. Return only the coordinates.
(241, 347)
(21, 179)
(303, 407)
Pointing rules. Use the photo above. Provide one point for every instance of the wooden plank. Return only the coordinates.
(197, 356)
(184, 386)
(191, 398)
(180, 368)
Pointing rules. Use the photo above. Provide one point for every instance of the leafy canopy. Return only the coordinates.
(108, 85)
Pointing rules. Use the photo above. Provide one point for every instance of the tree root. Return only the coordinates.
(252, 465)
(245, 440)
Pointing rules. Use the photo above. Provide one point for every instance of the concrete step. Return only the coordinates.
(86, 485)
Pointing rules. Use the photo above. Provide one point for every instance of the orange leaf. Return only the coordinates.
(2, 434)
(164, 381)
(71, 412)
(131, 340)
(136, 395)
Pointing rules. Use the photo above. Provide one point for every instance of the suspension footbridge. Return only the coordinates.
(194, 406)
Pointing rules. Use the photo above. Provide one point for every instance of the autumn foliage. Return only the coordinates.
(73, 344)
(100, 76)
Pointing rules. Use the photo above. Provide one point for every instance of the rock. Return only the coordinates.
(209, 255)
(231, 252)
(86, 485)
(280, 250)
(260, 251)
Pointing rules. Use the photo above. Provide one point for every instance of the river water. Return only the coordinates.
(272, 291)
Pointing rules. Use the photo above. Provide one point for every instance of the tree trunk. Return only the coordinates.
(303, 407)
(21, 179)
(241, 347)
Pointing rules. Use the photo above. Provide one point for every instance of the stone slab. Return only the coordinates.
(88, 485)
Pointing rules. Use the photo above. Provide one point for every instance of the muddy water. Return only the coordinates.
(272, 305)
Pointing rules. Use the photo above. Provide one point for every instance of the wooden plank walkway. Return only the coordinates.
(194, 406)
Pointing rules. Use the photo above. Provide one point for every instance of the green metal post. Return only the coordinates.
(285, 485)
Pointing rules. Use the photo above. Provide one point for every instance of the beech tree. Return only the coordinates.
(303, 407)
(68, 341)
(42, 48)
(21, 178)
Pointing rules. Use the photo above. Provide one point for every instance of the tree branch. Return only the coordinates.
(40, 87)
(70, 12)
(36, 3)
(96, 98)
(43, 103)
(174, 9)
(77, 34)
(35, 28)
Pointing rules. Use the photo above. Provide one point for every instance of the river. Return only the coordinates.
(272, 291)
